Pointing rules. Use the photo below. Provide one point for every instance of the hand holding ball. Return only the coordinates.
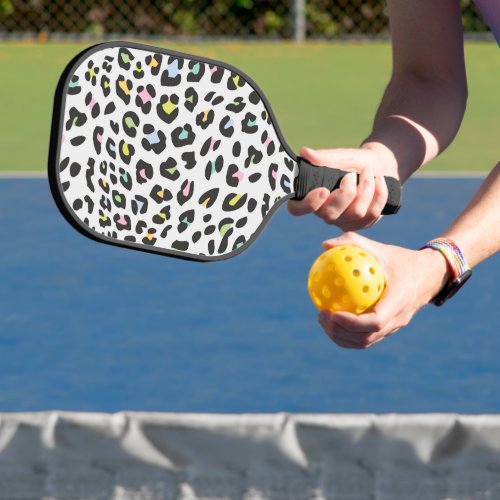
(346, 278)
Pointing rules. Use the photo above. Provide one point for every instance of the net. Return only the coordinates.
(153, 456)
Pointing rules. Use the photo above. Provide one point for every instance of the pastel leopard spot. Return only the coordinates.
(154, 140)
(226, 126)
(167, 109)
(139, 205)
(208, 198)
(122, 222)
(123, 89)
(185, 220)
(130, 123)
(205, 118)
(97, 138)
(93, 105)
(234, 201)
(105, 85)
(160, 194)
(190, 99)
(143, 172)
(171, 75)
(74, 86)
(169, 170)
(127, 151)
(154, 63)
(183, 136)
(125, 57)
(249, 124)
(144, 98)
(185, 192)
(162, 216)
(196, 71)
(272, 174)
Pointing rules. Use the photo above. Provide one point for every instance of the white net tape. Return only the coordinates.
(160, 456)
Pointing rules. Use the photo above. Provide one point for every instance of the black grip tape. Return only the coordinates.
(312, 177)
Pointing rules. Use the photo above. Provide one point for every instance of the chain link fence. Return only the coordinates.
(286, 19)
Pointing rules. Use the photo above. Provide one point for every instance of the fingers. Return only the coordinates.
(355, 332)
(338, 158)
(380, 196)
(337, 201)
(352, 238)
(310, 204)
(366, 206)
(356, 204)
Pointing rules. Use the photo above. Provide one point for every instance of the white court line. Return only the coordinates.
(455, 174)
(23, 175)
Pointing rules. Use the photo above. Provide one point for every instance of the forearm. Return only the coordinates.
(424, 103)
(416, 120)
(477, 230)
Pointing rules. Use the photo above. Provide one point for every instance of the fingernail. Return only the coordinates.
(324, 194)
(347, 178)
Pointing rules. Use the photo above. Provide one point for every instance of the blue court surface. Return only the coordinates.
(91, 327)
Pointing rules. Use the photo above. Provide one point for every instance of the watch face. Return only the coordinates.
(451, 288)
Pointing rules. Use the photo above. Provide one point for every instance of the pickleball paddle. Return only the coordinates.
(161, 151)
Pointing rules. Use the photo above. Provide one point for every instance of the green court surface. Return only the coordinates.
(323, 94)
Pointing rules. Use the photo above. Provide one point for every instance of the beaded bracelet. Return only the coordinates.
(460, 269)
(452, 254)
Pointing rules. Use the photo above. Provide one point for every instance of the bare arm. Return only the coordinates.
(415, 277)
(424, 102)
(418, 117)
(477, 230)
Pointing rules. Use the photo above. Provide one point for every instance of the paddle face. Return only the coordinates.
(160, 151)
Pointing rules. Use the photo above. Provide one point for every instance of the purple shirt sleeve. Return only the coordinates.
(490, 9)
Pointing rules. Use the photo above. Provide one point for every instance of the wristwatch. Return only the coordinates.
(459, 267)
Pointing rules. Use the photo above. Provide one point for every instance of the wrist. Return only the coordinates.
(437, 272)
(457, 265)
(386, 157)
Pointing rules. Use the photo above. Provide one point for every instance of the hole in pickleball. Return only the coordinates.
(372, 270)
(317, 276)
(379, 288)
(326, 292)
(348, 258)
(362, 254)
(346, 299)
(317, 300)
(366, 289)
(356, 273)
(339, 281)
(359, 310)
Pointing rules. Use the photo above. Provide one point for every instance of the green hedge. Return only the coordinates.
(325, 18)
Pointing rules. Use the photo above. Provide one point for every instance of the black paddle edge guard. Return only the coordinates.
(57, 122)
(312, 177)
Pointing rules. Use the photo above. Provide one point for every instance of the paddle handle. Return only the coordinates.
(312, 177)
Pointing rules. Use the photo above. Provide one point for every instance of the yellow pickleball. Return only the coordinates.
(346, 278)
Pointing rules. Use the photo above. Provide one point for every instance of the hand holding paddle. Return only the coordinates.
(170, 153)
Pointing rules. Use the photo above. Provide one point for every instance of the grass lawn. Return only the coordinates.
(323, 94)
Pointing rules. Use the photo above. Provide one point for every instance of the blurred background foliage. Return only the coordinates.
(205, 18)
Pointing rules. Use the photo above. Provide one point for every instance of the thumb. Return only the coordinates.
(349, 238)
(339, 157)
